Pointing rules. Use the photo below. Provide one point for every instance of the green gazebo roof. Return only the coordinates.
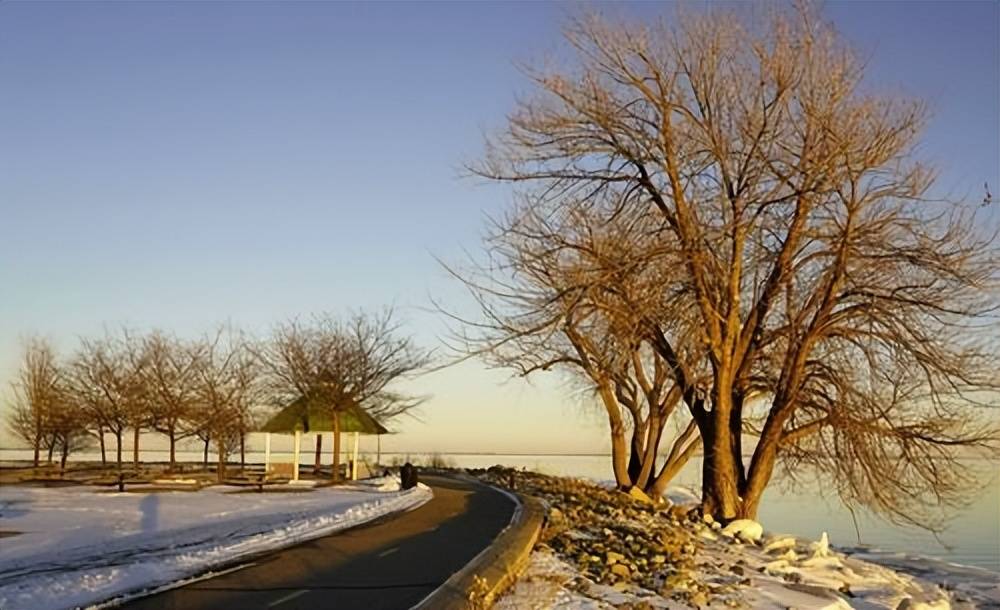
(312, 416)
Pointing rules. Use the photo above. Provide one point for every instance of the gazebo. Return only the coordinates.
(310, 415)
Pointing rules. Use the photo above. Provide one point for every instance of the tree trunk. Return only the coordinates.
(173, 447)
(118, 448)
(38, 450)
(761, 468)
(221, 471)
(63, 456)
(685, 445)
(619, 449)
(719, 491)
(619, 457)
(319, 454)
(52, 448)
(243, 452)
(636, 452)
(135, 449)
(204, 459)
(654, 431)
(104, 452)
(335, 476)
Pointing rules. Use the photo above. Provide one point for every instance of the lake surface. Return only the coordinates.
(971, 538)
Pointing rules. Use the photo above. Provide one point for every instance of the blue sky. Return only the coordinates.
(178, 165)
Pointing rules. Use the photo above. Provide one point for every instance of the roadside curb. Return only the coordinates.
(492, 571)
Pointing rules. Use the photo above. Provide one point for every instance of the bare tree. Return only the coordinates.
(228, 382)
(571, 292)
(139, 411)
(840, 312)
(36, 396)
(340, 364)
(171, 380)
(105, 377)
(67, 426)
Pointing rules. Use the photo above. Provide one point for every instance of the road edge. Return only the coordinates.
(495, 568)
(232, 565)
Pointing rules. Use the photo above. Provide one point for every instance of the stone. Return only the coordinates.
(612, 558)
(744, 529)
(640, 495)
(821, 548)
(779, 543)
(621, 570)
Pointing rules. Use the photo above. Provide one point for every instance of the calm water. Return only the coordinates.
(972, 536)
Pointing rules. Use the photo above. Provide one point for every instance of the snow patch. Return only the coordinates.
(744, 529)
(82, 545)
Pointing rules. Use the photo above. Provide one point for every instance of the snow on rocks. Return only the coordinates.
(582, 562)
(76, 546)
(747, 530)
(820, 548)
(779, 544)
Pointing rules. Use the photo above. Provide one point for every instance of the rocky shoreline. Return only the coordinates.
(602, 548)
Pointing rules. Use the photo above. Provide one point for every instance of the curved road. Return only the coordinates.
(391, 564)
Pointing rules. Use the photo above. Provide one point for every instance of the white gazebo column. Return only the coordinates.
(354, 462)
(295, 460)
(267, 451)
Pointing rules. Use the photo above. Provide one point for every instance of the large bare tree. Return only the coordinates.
(340, 363)
(841, 313)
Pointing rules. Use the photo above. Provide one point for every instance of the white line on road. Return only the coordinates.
(388, 551)
(288, 598)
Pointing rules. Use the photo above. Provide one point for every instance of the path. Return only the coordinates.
(392, 564)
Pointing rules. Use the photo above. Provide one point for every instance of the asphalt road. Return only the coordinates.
(392, 564)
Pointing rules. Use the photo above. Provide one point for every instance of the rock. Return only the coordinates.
(744, 529)
(821, 548)
(792, 577)
(621, 570)
(612, 558)
(699, 598)
(779, 543)
(658, 559)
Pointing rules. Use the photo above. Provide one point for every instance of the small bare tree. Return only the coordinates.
(67, 426)
(339, 364)
(37, 396)
(840, 312)
(105, 377)
(171, 380)
(227, 393)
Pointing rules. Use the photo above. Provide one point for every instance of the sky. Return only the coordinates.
(178, 165)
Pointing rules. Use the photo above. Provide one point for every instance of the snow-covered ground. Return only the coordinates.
(743, 567)
(769, 581)
(76, 546)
